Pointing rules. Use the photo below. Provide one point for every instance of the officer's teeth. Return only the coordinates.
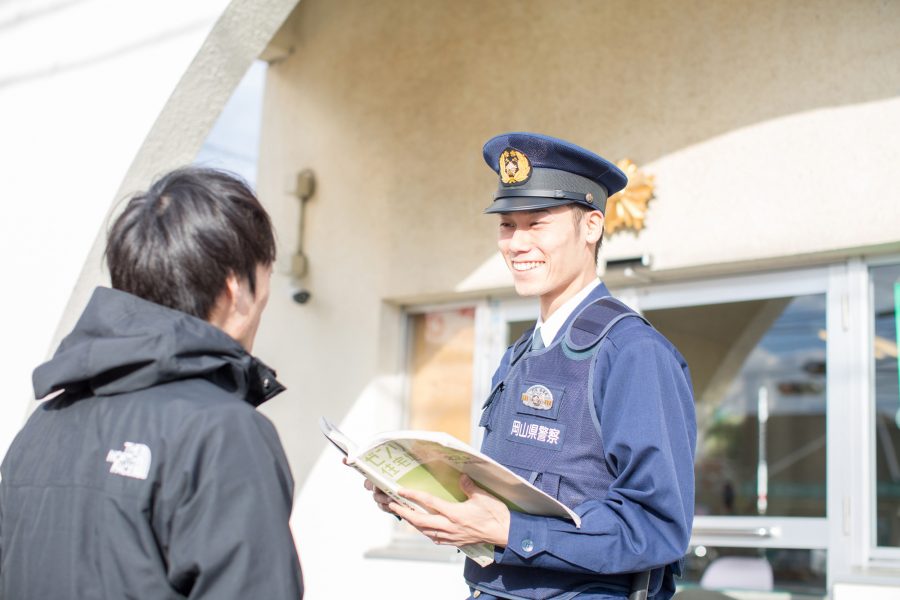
(526, 266)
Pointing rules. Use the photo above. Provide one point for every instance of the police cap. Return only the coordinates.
(538, 171)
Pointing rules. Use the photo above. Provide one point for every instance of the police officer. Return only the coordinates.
(592, 405)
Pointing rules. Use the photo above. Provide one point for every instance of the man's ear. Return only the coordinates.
(232, 291)
(593, 223)
(227, 301)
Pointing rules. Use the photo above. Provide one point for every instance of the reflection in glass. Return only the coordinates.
(440, 371)
(799, 572)
(886, 304)
(758, 370)
(516, 329)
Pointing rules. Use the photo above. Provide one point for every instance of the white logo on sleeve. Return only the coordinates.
(133, 461)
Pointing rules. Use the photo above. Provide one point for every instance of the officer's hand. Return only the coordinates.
(381, 499)
(481, 518)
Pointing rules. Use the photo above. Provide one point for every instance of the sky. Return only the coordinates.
(233, 142)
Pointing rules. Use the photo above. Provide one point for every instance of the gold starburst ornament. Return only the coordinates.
(627, 208)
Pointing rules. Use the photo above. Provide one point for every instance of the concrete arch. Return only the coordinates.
(238, 37)
(125, 92)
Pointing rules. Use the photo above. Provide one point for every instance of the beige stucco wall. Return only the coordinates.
(770, 127)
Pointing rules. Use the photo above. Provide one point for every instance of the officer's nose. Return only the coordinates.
(520, 241)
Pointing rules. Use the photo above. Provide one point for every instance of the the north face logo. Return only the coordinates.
(133, 461)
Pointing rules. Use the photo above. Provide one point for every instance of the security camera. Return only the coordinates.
(301, 296)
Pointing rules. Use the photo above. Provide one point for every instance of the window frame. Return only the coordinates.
(873, 556)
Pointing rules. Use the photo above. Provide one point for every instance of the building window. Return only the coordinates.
(886, 307)
(441, 356)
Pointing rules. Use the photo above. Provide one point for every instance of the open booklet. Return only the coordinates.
(432, 462)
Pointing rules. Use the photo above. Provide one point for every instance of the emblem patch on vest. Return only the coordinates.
(514, 167)
(539, 397)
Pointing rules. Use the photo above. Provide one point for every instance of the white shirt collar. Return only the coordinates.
(550, 327)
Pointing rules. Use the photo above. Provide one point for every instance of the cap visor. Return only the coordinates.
(513, 204)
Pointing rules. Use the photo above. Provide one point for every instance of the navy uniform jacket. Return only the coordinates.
(644, 406)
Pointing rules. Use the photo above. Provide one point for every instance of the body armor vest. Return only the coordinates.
(540, 421)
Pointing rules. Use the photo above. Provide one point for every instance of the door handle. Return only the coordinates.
(745, 532)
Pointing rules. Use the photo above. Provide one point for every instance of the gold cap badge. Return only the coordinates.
(514, 167)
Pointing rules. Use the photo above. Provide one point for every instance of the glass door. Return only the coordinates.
(756, 347)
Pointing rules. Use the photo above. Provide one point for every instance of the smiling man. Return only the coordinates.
(592, 405)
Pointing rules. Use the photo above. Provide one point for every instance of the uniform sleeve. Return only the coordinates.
(228, 513)
(646, 412)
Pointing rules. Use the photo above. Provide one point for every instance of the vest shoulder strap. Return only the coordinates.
(594, 322)
(521, 346)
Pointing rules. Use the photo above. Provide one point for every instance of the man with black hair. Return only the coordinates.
(149, 473)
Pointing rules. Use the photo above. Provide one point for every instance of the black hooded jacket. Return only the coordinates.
(151, 476)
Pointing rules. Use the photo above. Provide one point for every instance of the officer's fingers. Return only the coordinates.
(478, 493)
(368, 485)
(430, 503)
(433, 527)
(380, 496)
(468, 486)
(417, 518)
